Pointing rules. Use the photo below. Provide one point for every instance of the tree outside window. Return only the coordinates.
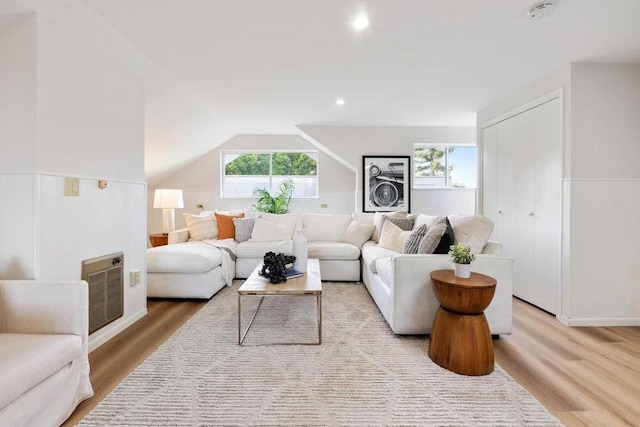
(244, 172)
(444, 166)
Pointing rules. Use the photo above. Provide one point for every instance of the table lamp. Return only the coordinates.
(168, 200)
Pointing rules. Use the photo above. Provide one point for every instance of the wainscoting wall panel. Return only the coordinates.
(17, 224)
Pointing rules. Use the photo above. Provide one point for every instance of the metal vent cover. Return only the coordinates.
(104, 275)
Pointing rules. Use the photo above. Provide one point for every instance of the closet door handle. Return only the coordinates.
(530, 213)
(500, 212)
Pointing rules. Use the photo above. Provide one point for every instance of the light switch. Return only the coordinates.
(71, 187)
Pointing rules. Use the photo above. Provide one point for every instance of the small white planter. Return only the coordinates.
(462, 271)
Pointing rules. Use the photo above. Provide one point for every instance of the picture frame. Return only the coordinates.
(386, 183)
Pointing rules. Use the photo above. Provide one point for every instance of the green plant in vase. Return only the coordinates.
(462, 258)
(277, 203)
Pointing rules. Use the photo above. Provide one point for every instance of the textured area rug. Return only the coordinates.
(361, 375)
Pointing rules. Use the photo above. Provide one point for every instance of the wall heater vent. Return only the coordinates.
(106, 287)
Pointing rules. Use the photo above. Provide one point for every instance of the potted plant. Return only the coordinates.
(278, 203)
(462, 257)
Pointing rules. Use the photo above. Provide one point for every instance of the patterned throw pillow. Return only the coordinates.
(438, 239)
(201, 227)
(411, 244)
(405, 224)
(244, 228)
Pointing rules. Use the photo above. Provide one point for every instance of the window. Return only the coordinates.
(243, 172)
(438, 166)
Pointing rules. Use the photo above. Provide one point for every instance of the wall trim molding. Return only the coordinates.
(601, 179)
(599, 321)
(97, 341)
(90, 178)
(557, 93)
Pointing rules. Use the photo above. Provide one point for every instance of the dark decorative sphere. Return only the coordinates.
(274, 265)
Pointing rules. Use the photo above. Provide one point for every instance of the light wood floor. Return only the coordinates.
(584, 376)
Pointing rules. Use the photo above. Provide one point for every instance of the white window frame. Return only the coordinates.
(448, 186)
(270, 153)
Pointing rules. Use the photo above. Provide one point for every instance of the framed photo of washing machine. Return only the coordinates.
(386, 184)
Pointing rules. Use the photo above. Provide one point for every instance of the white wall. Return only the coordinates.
(88, 123)
(600, 277)
(200, 181)
(604, 190)
(18, 96)
(352, 142)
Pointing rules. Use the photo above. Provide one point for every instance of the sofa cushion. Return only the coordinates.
(412, 242)
(244, 228)
(29, 359)
(333, 250)
(253, 249)
(378, 219)
(392, 236)
(324, 228)
(363, 217)
(201, 226)
(188, 257)
(292, 221)
(472, 230)
(267, 231)
(383, 268)
(226, 229)
(357, 233)
(371, 252)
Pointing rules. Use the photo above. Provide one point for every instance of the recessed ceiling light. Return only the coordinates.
(340, 101)
(542, 10)
(361, 22)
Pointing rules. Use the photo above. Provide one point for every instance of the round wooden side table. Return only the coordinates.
(460, 339)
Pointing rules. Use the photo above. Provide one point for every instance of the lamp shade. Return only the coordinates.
(168, 199)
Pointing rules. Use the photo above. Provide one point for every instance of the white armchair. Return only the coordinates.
(44, 365)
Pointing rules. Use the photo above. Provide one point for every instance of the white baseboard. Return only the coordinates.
(600, 321)
(98, 340)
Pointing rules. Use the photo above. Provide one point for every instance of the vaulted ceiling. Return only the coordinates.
(265, 66)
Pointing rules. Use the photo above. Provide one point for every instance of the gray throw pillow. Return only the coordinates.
(405, 224)
(412, 243)
(244, 228)
(431, 240)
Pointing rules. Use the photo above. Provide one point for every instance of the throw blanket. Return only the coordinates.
(228, 265)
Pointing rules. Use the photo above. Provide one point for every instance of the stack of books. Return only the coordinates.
(291, 273)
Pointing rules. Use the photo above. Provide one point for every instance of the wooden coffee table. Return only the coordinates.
(309, 285)
(460, 339)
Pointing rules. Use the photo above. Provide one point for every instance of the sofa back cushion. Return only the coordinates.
(428, 220)
(357, 233)
(292, 221)
(201, 227)
(267, 231)
(472, 230)
(324, 228)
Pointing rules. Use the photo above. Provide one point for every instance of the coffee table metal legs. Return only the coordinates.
(241, 335)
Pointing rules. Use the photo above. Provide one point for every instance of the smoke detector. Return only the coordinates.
(542, 10)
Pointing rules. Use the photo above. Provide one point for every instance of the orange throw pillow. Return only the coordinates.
(226, 229)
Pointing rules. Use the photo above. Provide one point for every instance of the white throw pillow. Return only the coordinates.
(377, 221)
(266, 231)
(357, 233)
(324, 228)
(392, 237)
(201, 227)
(472, 230)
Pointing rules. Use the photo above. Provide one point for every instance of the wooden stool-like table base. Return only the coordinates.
(461, 343)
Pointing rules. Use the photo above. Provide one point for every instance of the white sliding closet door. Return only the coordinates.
(522, 178)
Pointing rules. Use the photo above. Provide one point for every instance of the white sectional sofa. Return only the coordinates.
(350, 248)
(188, 268)
(44, 365)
